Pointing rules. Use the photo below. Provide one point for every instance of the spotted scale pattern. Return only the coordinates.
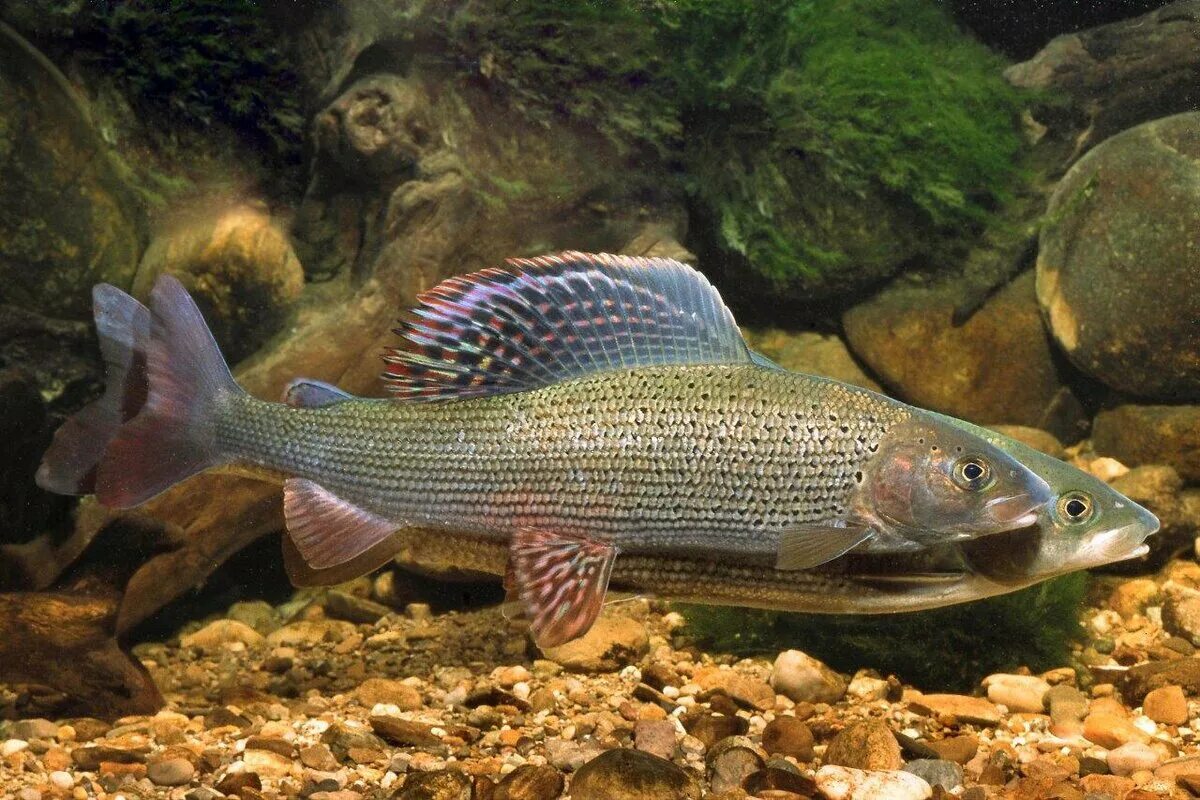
(665, 459)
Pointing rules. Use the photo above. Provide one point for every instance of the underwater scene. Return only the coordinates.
(599, 399)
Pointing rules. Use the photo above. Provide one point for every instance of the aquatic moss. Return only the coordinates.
(824, 142)
(835, 137)
(194, 62)
(948, 648)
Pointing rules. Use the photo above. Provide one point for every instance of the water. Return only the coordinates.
(942, 202)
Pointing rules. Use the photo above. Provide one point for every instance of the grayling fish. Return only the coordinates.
(566, 408)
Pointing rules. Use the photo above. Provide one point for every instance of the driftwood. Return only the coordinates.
(65, 639)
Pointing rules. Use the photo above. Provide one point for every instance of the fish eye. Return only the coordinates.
(1076, 507)
(972, 473)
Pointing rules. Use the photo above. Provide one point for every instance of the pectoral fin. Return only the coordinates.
(327, 530)
(560, 581)
(807, 546)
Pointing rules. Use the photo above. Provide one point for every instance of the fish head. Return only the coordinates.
(933, 482)
(1088, 524)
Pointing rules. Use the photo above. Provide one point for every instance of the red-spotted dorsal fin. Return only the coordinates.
(560, 582)
(538, 321)
(327, 530)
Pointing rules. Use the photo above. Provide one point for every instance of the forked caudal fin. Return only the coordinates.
(171, 438)
(123, 326)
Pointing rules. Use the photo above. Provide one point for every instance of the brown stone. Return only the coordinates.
(712, 728)
(623, 774)
(867, 744)
(1109, 730)
(1140, 679)
(1167, 705)
(405, 732)
(530, 782)
(895, 331)
(390, 692)
(959, 749)
(785, 735)
(730, 762)
(1137, 435)
(610, 644)
(443, 784)
(746, 691)
(964, 708)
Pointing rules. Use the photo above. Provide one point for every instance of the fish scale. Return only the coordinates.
(667, 457)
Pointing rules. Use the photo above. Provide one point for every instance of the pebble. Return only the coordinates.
(170, 772)
(307, 633)
(802, 678)
(1017, 693)
(712, 728)
(390, 692)
(959, 749)
(1110, 730)
(937, 772)
(656, 737)
(612, 643)
(216, 635)
(731, 762)
(787, 736)
(623, 774)
(267, 763)
(845, 783)
(30, 729)
(354, 608)
(1166, 704)
(61, 780)
(865, 745)
(1132, 757)
(744, 690)
(963, 708)
(443, 784)
(12, 747)
(529, 782)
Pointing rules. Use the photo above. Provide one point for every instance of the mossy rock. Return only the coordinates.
(832, 143)
(68, 219)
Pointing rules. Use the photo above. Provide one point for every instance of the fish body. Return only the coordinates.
(568, 408)
(682, 458)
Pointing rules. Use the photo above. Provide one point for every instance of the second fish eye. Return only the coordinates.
(1075, 507)
(972, 473)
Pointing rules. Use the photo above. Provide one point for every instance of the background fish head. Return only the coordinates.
(1087, 525)
(932, 479)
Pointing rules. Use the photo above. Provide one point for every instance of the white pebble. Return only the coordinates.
(13, 746)
(670, 691)
(846, 783)
(1132, 757)
(62, 780)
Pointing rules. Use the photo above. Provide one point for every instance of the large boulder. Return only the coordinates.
(239, 267)
(1136, 435)
(68, 219)
(1118, 75)
(996, 368)
(1118, 271)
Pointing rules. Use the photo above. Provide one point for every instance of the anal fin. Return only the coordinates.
(327, 530)
(560, 581)
(808, 546)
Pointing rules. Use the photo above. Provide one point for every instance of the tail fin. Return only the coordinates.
(123, 325)
(172, 437)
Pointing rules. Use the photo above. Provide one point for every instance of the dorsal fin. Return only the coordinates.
(542, 320)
